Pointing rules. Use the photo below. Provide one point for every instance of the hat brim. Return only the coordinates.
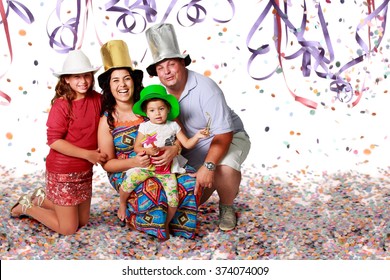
(151, 69)
(175, 107)
(93, 69)
(137, 75)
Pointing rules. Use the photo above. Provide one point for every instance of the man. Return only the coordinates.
(217, 158)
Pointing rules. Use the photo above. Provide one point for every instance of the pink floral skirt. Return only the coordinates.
(69, 189)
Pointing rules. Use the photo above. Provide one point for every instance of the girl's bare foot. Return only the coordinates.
(122, 212)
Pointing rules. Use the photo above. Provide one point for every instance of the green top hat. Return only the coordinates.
(157, 91)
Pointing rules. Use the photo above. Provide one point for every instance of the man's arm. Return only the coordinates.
(218, 149)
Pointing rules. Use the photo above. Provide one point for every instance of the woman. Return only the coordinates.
(147, 204)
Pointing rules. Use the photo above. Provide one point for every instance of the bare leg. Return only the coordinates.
(122, 204)
(62, 219)
(207, 192)
(84, 212)
(170, 213)
(47, 204)
(227, 182)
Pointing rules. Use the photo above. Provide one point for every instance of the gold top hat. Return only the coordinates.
(115, 54)
(163, 44)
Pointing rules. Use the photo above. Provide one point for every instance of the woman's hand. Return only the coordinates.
(142, 159)
(168, 153)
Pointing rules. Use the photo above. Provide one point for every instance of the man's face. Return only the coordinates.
(171, 72)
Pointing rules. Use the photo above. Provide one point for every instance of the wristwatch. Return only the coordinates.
(210, 166)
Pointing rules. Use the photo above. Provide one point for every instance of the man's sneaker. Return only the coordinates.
(227, 217)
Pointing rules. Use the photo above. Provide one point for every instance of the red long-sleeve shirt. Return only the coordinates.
(80, 130)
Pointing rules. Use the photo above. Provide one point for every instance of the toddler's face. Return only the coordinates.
(157, 111)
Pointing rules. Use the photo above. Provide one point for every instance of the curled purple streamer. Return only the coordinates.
(201, 10)
(24, 13)
(313, 49)
(55, 37)
(146, 10)
(148, 7)
(193, 5)
(374, 14)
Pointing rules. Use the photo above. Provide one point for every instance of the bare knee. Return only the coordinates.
(83, 221)
(227, 177)
(69, 230)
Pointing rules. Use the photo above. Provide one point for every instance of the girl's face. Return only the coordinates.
(157, 111)
(80, 83)
(121, 85)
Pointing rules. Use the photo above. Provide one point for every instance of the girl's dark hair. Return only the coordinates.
(146, 102)
(63, 90)
(108, 104)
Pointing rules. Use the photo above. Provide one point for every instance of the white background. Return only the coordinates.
(332, 137)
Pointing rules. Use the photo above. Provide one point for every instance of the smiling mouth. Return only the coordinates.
(123, 92)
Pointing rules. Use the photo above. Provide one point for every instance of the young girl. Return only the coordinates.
(72, 136)
(154, 134)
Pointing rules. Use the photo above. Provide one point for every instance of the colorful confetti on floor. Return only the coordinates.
(302, 216)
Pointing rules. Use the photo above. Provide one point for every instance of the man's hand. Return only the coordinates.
(204, 179)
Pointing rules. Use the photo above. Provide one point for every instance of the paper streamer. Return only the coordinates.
(313, 50)
(24, 13)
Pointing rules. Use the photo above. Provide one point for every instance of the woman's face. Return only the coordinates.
(121, 85)
(80, 83)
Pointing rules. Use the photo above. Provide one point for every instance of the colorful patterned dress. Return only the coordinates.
(147, 205)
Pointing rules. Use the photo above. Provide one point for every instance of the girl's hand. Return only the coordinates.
(202, 133)
(96, 157)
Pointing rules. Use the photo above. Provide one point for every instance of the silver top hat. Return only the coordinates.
(163, 44)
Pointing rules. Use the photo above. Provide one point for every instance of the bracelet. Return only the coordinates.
(179, 147)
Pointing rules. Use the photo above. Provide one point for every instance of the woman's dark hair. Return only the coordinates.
(109, 102)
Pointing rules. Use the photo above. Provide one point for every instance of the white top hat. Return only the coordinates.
(76, 63)
(163, 44)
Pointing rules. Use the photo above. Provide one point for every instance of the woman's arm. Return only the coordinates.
(106, 145)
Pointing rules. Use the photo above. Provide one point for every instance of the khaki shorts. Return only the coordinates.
(238, 151)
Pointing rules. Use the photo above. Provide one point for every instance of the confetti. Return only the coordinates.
(340, 216)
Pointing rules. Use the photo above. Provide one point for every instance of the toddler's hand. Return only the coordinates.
(203, 133)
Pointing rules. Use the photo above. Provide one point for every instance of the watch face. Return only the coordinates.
(210, 166)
